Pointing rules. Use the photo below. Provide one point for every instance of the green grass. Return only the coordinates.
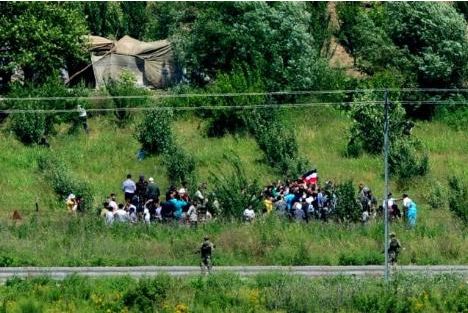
(224, 292)
(84, 241)
(105, 156)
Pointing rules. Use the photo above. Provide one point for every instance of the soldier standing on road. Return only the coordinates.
(394, 247)
(206, 249)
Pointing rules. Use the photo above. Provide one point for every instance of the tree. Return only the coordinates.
(273, 38)
(32, 127)
(39, 37)
(426, 41)
(125, 86)
(155, 133)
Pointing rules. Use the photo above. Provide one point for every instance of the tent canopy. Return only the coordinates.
(151, 63)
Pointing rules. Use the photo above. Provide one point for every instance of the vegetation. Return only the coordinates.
(155, 132)
(458, 198)
(125, 87)
(62, 181)
(406, 37)
(234, 191)
(40, 38)
(278, 46)
(33, 128)
(224, 292)
(180, 166)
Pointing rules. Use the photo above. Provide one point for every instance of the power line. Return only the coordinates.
(222, 107)
(234, 94)
(190, 108)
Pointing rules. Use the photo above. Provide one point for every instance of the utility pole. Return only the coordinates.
(386, 130)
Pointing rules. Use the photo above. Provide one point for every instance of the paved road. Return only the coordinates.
(141, 271)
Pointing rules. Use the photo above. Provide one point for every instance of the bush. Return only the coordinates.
(31, 128)
(234, 191)
(125, 86)
(149, 294)
(405, 161)
(279, 145)
(154, 133)
(454, 112)
(233, 120)
(58, 174)
(367, 130)
(180, 166)
(348, 208)
(458, 198)
(437, 196)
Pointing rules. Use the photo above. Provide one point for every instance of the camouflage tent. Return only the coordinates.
(151, 63)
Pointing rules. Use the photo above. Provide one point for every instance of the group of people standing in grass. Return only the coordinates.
(302, 201)
(142, 202)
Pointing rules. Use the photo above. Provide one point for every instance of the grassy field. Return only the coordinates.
(230, 293)
(108, 153)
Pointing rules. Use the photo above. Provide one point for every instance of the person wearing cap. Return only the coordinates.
(394, 247)
(152, 190)
(206, 250)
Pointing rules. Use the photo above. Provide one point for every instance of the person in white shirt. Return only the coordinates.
(113, 203)
(249, 214)
(83, 117)
(129, 188)
(192, 214)
(121, 215)
(109, 216)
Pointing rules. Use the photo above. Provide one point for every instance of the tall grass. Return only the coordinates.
(224, 292)
(107, 154)
(87, 241)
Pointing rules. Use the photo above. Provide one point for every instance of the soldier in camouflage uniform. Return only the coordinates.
(394, 247)
(206, 249)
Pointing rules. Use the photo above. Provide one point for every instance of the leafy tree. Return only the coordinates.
(348, 208)
(426, 41)
(367, 131)
(180, 166)
(104, 18)
(125, 86)
(234, 191)
(39, 37)
(458, 198)
(274, 39)
(155, 133)
(31, 127)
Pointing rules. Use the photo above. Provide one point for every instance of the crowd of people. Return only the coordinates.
(301, 200)
(142, 202)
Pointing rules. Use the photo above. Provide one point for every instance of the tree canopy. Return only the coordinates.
(40, 37)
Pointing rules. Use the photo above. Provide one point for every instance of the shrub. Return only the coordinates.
(125, 86)
(279, 145)
(405, 161)
(180, 166)
(347, 207)
(454, 112)
(58, 174)
(437, 195)
(458, 198)
(30, 128)
(228, 120)
(154, 133)
(148, 294)
(234, 191)
(367, 130)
